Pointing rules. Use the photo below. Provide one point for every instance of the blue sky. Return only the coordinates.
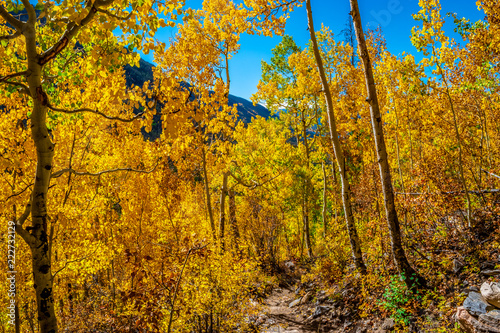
(394, 16)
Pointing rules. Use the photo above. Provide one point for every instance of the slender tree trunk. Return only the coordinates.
(385, 172)
(323, 212)
(307, 190)
(207, 195)
(339, 155)
(307, 239)
(38, 239)
(222, 218)
(232, 219)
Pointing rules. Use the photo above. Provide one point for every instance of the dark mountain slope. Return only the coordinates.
(246, 109)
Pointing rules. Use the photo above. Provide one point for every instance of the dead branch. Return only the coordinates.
(125, 120)
(83, 173)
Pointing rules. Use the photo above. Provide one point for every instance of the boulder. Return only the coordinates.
(476, 304)
(491, 293)
(491, 318)
(294, 303)
(491, 272)
(471, 325)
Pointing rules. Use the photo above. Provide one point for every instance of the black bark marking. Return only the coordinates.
(46, 292)
(44, 269)
(48, 167)
(42, 96)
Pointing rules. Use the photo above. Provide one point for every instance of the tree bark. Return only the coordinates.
(307, 189)
(339, 155)
(385, 172)
(207, 195)
(323, 212)
(232, 219)
(222, 216)
(38, 238)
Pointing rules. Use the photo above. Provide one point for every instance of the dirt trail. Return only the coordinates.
(278, 317)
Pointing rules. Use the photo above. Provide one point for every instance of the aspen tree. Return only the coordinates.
(402, 263)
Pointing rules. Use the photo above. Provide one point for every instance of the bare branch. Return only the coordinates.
(19, 193)
(11, 76)
(80, 173)
(121, 18)
(491, 173)
(73, 261)
(452, 192)
(137, 116)
(23, 88)
(13, 36)
(11, 19)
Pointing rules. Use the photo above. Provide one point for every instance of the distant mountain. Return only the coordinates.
(246, 109)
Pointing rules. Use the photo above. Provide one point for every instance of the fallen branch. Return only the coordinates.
(490, 173)
(83, 173)
(125, 120)
(452, 192)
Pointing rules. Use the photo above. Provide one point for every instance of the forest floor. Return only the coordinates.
(300, 301)
(284, 310)
(279, 317)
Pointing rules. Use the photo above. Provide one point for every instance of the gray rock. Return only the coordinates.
(471, 325)
(491, 293)
(388, 324)
(294, 303)
(474, 288)
(320, 310)
(476, 304)
(491, 318)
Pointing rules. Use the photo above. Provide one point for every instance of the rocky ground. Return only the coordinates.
(305, 307)
(286, 312)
